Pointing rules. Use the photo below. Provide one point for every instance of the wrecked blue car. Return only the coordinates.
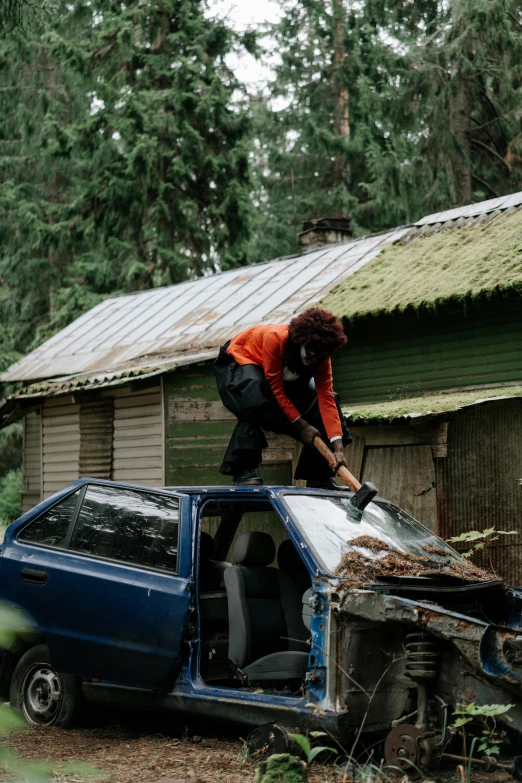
(360, 619)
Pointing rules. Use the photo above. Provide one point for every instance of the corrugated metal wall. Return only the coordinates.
(455, 476)
(138, 437)
(401, 356)
(478, 484)
(61, 443)
(405, 475)
(32, 456)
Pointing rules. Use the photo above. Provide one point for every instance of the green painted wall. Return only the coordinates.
(197, 431)
(401, 356)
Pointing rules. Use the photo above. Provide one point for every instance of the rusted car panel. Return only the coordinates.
(468, 659)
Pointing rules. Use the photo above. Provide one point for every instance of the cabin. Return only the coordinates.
(127, 392)
(432, 376)
(431, 379)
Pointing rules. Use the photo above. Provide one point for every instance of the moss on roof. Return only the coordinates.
(425, 405)
(458, 263)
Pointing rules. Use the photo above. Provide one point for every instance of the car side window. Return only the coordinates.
(128, 526)
(50, 528)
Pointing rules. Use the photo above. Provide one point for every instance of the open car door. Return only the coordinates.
(105, 575)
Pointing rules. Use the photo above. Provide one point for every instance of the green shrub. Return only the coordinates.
(11, 440)
(10, 499)
(281, 768)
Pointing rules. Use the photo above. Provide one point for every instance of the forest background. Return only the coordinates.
(132, 156)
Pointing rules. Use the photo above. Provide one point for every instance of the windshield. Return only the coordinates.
(334, 527)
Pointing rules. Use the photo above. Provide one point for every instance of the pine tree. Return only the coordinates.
(169, 189)
(460, 137)
(125, 158)
(20, 14)
(311, 159)
(420, 111)
(39, 182)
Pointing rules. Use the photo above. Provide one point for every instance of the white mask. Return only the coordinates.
(303, 355)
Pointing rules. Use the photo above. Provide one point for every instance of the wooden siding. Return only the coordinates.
(400, 459)
(478, 483)
(198, 428)
(61, 444)
(117, 436)
(393, 357)
(405, 475)
(32, 456)
(96, 436)
(456, 475)
(138, 433)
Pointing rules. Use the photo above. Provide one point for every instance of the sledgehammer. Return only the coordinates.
(364, 493)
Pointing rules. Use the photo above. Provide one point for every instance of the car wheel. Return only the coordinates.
(41, 695)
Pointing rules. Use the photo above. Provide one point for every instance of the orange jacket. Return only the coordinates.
(265, 345)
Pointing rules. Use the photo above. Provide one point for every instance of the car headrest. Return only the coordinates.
(254, 549)
(288, 558)
(207, 547)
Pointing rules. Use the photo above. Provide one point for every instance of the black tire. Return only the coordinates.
(42, 696)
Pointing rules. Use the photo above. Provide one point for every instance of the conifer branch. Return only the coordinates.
(486, 184)
(495, 154)
(484, 124)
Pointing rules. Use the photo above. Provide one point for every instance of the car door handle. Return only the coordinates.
(34, 575)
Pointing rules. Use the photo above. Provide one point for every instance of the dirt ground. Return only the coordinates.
(120, 748)
(124, 748)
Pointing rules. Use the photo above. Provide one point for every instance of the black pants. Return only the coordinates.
(246, 393)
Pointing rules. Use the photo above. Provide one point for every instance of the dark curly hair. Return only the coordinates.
(319, 330)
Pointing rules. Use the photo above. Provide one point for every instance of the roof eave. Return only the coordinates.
(430, 405)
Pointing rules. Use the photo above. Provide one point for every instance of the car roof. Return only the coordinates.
(245, 489)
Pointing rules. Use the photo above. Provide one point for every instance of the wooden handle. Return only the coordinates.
(343, 472)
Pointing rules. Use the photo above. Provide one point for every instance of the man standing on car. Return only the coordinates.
(278, 377)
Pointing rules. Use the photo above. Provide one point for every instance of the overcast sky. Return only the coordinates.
(242, 14)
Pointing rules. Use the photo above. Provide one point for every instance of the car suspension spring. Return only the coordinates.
(422, 656)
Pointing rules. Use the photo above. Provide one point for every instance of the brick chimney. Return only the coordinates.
(324, 231)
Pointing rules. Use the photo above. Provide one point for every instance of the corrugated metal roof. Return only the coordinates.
(195, 317)
(165, 327)
(141, 369)
(472, 210)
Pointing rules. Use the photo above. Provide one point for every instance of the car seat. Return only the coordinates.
(267, 637)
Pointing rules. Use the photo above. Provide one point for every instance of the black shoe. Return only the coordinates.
(327, 484)
(247, 477)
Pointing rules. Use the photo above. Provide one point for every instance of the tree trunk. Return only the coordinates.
(460, 113)
(460, 121)
(341, 96)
